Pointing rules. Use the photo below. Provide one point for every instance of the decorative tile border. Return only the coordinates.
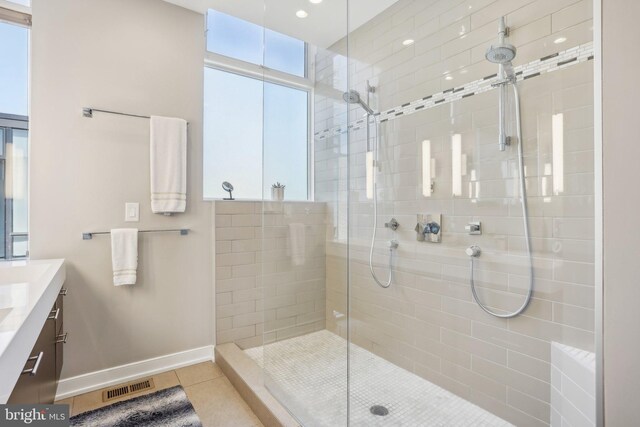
(547, 64)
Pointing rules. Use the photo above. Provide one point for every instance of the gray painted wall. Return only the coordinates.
(143, 57)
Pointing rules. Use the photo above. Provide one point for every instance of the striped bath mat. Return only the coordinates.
(165, 408)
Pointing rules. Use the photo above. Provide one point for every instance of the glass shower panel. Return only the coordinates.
(303, 261)
(422, 351)
(370, 315)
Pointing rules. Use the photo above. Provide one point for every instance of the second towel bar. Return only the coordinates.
(182, 231)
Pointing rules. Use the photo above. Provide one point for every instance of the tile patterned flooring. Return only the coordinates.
(308, 373)
(215, 400)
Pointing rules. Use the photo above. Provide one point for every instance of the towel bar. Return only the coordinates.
(88, 113)
(182, 231)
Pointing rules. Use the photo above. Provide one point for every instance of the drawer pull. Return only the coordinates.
(33, 371)
(62, 338)
(54, 314)
(63, 292)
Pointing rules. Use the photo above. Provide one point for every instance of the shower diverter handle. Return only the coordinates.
(430, 228)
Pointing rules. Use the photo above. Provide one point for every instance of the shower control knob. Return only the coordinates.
(473, 228)
(431, 228)
(473, 251)
(393, 224)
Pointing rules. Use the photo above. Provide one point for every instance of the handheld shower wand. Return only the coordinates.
(502, 53)
(353, 97)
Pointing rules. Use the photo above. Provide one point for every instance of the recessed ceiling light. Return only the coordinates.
(449, 78)
(301, 14)
(560, 40)
(408, 42)
(315, 1)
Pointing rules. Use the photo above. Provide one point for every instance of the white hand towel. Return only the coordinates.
(124, 255)
(168, 164)
(297, 243)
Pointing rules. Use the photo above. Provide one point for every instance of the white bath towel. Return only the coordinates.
(168, 165)
(297, 243)
(124, 255)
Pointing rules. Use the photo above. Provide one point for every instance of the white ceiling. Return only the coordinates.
(325, 24)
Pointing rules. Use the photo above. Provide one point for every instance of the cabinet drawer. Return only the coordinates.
(61, 340)
(38, 381)
(60, 312)
(26, 390)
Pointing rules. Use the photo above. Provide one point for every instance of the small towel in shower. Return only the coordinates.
(124, 255)
(168, 165)
(297, 243)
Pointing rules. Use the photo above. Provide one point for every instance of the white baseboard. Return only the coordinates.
(85, 383)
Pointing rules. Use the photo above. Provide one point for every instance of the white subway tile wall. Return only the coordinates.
(547, 64)
(427, 322)
(573, 386)
(260, 293)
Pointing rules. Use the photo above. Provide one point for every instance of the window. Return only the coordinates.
(232, 134)
(234, 150)
(235, 38)
(14, 107)
(14, 69)
(22, 2)
(285, 140)
(256, 124)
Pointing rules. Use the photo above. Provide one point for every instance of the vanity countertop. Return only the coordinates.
(28, 290)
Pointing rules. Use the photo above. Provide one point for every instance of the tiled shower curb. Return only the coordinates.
(247, 378)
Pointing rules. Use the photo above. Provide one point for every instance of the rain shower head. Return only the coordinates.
(353, 97)
(502, 52)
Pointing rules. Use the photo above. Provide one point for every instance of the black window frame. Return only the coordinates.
(9, 123)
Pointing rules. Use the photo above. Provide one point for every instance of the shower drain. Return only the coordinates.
(379, 410)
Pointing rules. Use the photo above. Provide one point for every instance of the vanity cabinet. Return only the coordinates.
(61, 335)
(39, 379)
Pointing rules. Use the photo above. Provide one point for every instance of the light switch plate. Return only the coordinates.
(132, 212)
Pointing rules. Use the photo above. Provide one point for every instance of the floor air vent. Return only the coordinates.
(131, 388)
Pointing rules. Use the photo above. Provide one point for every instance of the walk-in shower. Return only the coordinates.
(413, 118)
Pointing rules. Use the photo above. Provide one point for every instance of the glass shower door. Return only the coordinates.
(422, 351)
(305, 234)
(369, 313)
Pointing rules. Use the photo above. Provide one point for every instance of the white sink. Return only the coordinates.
(28, 290)
(20, 271)
(13, 295)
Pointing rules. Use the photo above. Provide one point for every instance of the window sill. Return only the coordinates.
(209, 199)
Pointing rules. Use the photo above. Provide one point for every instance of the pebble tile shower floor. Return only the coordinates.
(310, 372)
